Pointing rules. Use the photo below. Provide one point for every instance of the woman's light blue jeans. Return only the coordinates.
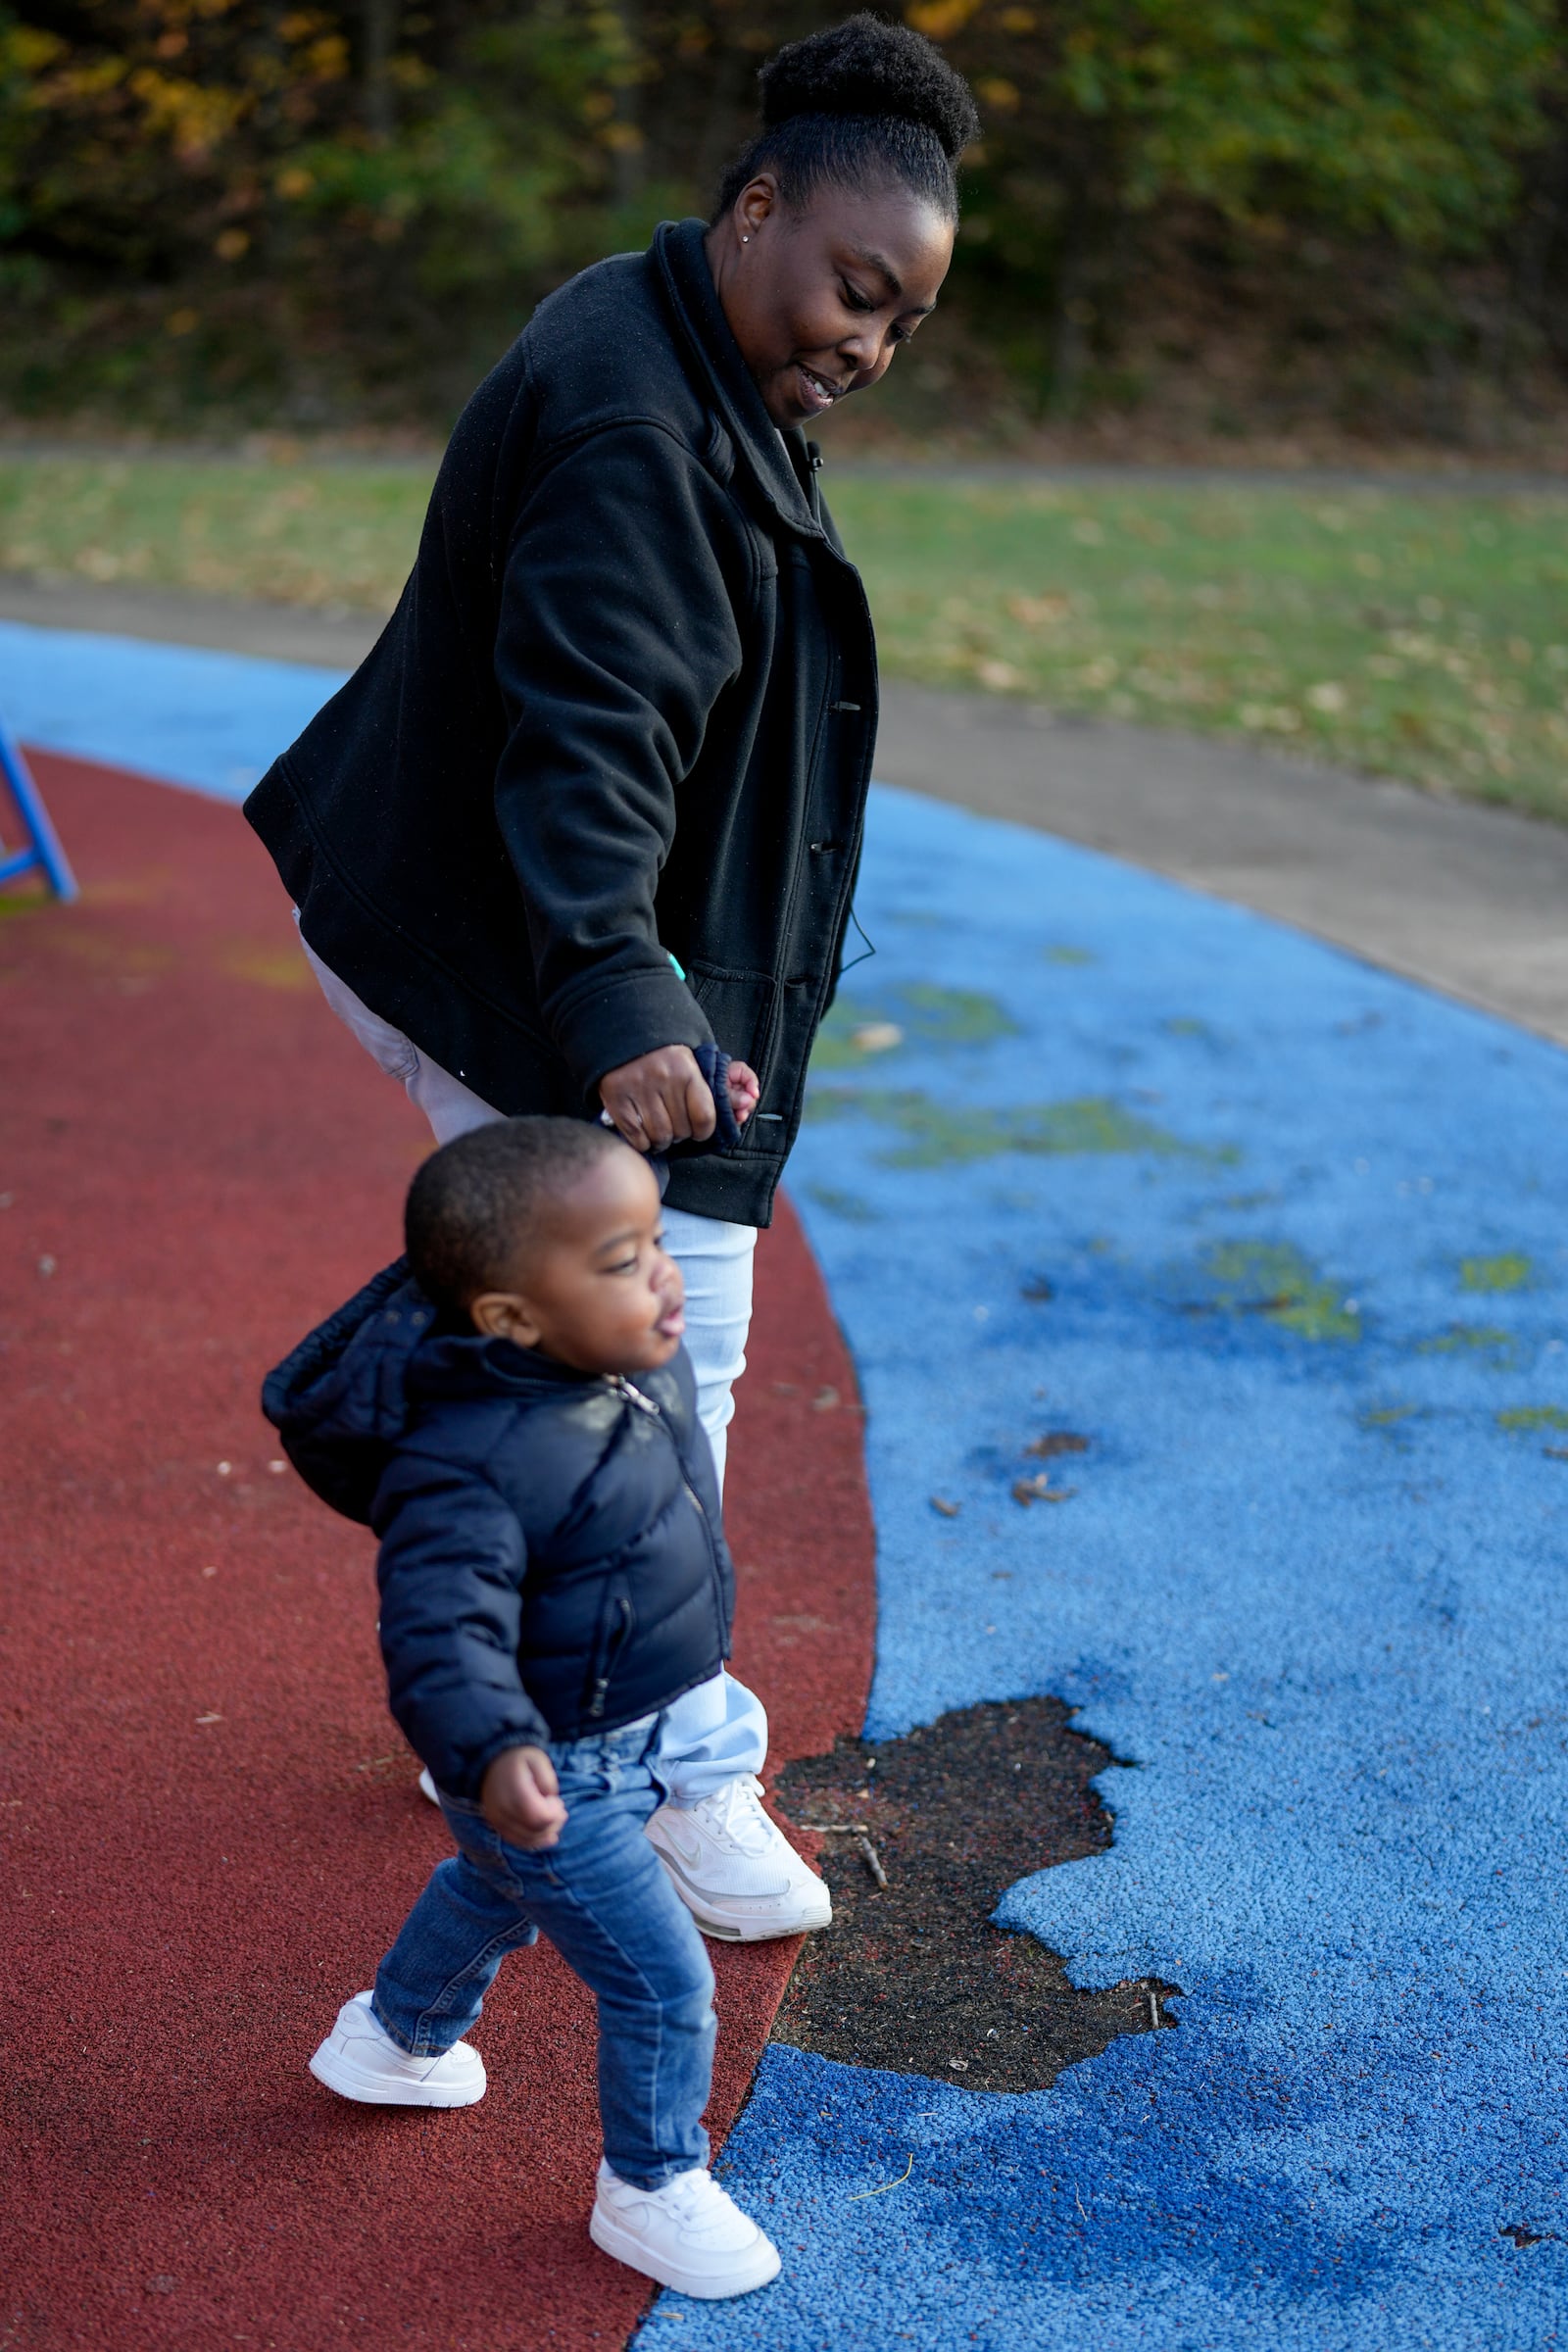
(601, 1896)
(719, 1731)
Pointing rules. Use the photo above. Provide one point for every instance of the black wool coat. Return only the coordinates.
(552, 1555)
(627, 705)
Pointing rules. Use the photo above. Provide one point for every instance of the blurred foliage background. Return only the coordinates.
(1237, 216)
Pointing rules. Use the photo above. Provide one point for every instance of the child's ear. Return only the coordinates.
(504, 1315)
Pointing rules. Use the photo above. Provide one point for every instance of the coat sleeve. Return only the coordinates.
(451, 1571)
(618, 631)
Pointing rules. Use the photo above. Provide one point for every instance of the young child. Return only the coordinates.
(518, 1423)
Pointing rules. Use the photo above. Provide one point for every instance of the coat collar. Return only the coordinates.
(682, 257)
(458, 1363)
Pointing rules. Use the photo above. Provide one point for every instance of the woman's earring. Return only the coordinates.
(746, 240)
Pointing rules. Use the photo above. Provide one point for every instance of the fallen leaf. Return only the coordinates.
(1038, 1488)
(1039, 612)
(1058, 1441)
(949, 1510)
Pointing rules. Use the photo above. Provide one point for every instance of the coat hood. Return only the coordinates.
(339, 1400)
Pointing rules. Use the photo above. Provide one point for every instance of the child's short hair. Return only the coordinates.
(471, 1206)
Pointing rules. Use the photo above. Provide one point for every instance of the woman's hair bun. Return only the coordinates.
(869, 68)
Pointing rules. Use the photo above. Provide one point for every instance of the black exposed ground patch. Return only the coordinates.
(913, 1975)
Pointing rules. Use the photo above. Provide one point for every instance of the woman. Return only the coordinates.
(595, 799)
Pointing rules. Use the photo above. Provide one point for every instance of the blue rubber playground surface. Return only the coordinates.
(1284, 1239)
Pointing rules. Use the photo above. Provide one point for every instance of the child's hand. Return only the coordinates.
(521, 1799)
(745, 1090)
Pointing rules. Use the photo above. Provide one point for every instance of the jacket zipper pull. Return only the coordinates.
(621, 1387)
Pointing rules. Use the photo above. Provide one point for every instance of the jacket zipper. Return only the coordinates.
(612, 1649)
(622, 1387)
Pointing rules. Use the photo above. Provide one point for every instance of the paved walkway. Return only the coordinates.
(1469, 899)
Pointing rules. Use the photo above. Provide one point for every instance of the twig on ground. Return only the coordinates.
(859, 1831)
(873, 1861)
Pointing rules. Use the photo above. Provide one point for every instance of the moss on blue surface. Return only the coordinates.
(1510, 1271)
(1391, 1422)
(1274, 1280)
(849, 1206)
(924, 1014)
(940, 1136)
(1474, 1338)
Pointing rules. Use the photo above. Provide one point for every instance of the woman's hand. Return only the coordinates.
(521, 1799)
(662, 1099)
(659, 1100)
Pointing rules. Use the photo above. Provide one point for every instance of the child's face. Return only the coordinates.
(597, 1290)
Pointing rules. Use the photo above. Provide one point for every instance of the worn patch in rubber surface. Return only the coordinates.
(913, 1975)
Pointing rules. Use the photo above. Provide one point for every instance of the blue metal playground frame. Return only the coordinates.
(42, 849)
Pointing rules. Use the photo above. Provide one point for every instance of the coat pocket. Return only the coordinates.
(741, 1008)
(616, 1624)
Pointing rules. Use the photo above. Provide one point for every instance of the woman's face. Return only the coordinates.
(821, 300)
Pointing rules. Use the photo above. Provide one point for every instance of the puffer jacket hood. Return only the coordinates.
(340, 1400)
(552, 1551)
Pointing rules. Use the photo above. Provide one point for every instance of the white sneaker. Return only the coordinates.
(738, 1876)
(359, 2061)
(688, 2235)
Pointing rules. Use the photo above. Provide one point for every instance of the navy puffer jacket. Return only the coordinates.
(553, 1559)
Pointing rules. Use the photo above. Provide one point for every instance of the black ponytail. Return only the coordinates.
(859, 105)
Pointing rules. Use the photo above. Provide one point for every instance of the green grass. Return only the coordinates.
(291, 534)
(1423, 637)
(1418, 637)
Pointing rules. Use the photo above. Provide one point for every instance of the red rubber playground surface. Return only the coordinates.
(211, 1826)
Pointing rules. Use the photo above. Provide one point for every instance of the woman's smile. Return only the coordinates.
(819, 392)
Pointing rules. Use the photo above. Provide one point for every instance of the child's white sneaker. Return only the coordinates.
(735, 1870)
(688, 2235)
(359, 2061)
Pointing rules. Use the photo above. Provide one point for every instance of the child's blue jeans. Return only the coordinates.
(602, 1898)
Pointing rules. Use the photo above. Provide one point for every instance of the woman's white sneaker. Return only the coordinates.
(359, 2061)
(688, 2235)
(737, 1874)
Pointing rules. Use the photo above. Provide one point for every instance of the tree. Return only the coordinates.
(1363, 118)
